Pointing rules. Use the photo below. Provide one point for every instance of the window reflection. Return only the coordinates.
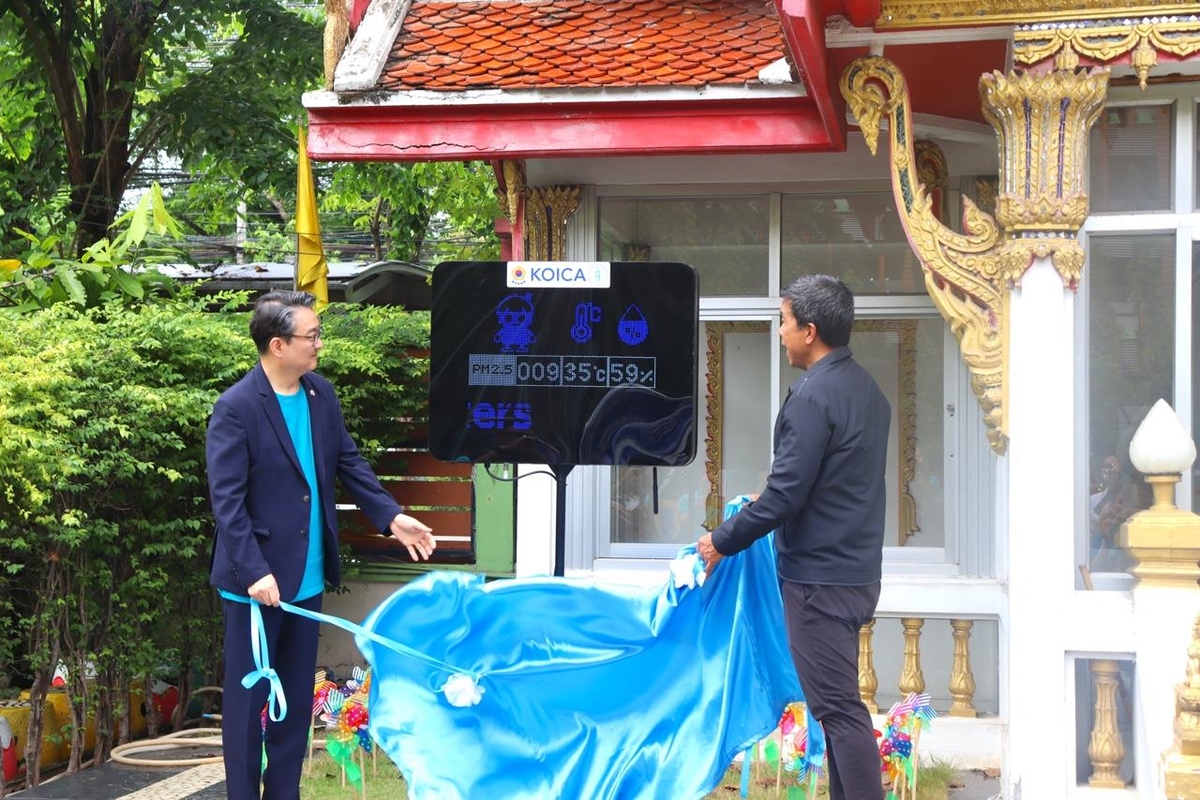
(1130, 155)
(857, 237)
(725, 238)
(1131, 325)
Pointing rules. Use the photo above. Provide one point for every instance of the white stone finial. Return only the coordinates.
(1162, 445)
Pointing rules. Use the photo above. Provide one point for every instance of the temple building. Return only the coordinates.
(1010, 188)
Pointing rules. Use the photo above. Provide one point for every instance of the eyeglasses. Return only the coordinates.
(311, 338)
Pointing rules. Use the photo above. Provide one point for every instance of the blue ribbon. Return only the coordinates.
(277, 702)
(258, 645)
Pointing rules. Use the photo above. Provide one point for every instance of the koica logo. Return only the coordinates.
(558, 274)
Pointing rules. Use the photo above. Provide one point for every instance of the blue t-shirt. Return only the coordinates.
(295, 414)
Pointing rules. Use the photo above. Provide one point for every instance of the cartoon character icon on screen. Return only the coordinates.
(515, 315)
(633, 328)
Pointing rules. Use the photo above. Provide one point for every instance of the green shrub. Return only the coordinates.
(104, 522)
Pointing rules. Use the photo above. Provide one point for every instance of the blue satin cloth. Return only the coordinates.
(589, 690)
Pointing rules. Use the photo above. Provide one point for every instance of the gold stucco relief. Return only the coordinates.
(1142, 39)
(898, 14)
(547, 211)
(1042, 123)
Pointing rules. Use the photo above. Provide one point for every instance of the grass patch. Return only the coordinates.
(323, 781)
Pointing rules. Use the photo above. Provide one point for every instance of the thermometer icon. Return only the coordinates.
(585, 315)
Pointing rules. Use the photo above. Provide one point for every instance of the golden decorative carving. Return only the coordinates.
(1105, 748)
(1181, 764)
(932, 173)
(868, 681)
(962, 681)
(912, 679)
(547, 209)
(714, 394)
(1142, 39)
(906, 414)
(510, 191)
(986, 190)
(1043, 123)
(336, 36)
(897, 14)
(1187, 699)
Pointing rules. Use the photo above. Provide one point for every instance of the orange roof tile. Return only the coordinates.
(547, 44)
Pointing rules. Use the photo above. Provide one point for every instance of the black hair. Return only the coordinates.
(275, 315)
(827, 303)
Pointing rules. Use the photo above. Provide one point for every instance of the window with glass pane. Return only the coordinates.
(857, 237)
(734, 445)
(1131, 328)
(1131, 162)
(905, 358)
(725, 239)
(1195, 502)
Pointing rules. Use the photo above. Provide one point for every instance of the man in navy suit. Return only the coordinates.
(825, 499)
(276, 441)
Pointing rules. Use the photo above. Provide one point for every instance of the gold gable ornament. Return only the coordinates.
(1042, 122)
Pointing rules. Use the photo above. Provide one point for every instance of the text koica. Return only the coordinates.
(558, 274)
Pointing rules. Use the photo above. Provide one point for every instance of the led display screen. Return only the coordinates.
(564, 362)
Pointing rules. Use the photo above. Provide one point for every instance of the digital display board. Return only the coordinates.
(564, 362)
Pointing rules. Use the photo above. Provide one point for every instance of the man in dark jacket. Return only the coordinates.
(276, 442)
(825, 500)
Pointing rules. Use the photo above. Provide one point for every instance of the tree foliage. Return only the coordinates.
(105, 528)
(127, 79)
(120, 268)
(209, 92)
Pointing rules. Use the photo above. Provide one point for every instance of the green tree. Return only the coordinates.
(402, 206)
(128, 78)
(109, 269)
(208, 93)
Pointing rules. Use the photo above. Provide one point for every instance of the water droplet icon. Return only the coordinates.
(632, 327)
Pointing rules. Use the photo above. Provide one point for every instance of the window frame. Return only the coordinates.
(1183, 222)
(589, 545)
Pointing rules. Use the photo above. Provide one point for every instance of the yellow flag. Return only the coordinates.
(311, 268)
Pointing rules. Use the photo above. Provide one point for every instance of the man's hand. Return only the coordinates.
(265, 590)
(414, 535)
(708, 552)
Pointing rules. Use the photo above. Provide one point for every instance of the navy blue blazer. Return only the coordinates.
(260, 498)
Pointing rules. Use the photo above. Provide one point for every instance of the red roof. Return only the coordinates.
(551, 44)
(427, 105)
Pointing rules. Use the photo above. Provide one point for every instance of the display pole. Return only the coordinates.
(561, 471)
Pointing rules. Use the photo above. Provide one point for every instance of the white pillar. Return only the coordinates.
(536, 499)
(1039, 541)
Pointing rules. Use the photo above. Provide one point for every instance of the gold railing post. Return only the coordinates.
(962, 680)
(912, 680)
(868, 681)
(1105, 748)
(1181, 764)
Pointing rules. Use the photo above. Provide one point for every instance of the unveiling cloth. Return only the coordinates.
(572, 688)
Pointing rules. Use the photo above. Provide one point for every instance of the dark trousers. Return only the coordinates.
(823, 623)
(292, 645)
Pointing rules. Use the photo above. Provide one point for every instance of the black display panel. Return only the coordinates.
(564, 363)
